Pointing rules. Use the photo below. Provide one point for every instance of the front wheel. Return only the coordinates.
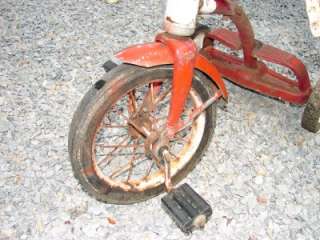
(108, 155)
(311, 115)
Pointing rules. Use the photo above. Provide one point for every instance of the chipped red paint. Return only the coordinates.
(146, 55)
(250, 71)
(182, 53)
(204, 64)
(157, 53)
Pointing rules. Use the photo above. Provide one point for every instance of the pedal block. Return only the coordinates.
(186, 208)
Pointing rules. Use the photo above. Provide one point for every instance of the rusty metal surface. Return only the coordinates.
(261, 78)
(131, 137)
(251, 72)
(260, 174)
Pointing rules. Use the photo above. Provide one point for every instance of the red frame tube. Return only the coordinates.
(184, 52)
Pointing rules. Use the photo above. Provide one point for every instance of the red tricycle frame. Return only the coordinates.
(251, 71)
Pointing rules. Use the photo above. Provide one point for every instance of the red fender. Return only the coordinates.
(155, 54)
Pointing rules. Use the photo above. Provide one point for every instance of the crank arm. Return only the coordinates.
(165, 155)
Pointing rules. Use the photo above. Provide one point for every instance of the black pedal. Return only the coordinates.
(187, 208)
(109, 65)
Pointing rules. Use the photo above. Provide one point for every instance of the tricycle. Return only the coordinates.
(146, 123)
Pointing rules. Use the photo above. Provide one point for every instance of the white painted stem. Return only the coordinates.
(313, 9)
(181, 15)
(208, 6)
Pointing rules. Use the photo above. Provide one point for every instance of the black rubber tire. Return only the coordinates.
(311, 115)
(93, 107)
(84, 102)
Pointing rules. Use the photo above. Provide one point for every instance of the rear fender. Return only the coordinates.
(156, 54)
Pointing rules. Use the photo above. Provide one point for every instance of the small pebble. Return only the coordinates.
(259, 180)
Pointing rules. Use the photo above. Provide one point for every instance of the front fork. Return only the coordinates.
(184, 52)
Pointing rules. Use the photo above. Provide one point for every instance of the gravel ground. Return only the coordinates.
(260, 174)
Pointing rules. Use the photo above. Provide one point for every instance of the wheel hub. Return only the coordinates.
(142, 125)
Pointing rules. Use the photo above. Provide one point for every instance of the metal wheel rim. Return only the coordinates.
(156, 179)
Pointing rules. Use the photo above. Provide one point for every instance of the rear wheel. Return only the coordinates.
(108, 155)
(311, 115)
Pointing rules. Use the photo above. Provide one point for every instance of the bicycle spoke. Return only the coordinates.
(149, 169)
(122, 114)
(123, 169)
(152, 93)
(162, 96)
(119, 145)
(132, 103)
(119, 150)
(114, 126)
(183, 139)
(147, 100)
(131, 163)
(108, 158)
(173, 155)
(121, 154)
(161, 118)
